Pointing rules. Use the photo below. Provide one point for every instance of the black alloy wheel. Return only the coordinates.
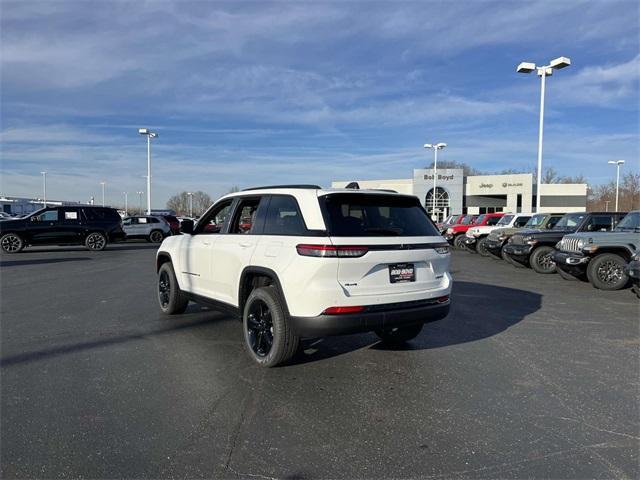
(156, 236)
(606, 272)
(164, 289)
(259, 328)
(171, 299)
(96, 241)
(11, 243)
(541, 260)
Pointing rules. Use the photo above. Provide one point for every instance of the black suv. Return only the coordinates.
(91, 226)
(536, 247)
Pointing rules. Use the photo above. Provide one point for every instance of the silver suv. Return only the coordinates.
(151, 228)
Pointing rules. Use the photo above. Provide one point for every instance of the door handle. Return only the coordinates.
(206, 243)
(246, 244)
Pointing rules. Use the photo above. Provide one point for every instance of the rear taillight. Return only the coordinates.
(342, 310)
(331, 250)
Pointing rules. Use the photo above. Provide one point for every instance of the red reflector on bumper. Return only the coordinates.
(442, 299)
(340, 310)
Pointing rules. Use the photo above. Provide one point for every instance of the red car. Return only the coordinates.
(455, 233)
(174, 223)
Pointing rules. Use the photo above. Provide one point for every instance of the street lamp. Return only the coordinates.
(126, 198)
(543, 72)
(436, 147)
(617, 163)
(140, 199)
(103, 184)
(149, 134)
(190, 204)
(44, 187)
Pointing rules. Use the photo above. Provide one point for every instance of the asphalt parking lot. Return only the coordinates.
(529, 376)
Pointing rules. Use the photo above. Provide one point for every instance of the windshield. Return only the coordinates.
(570, 220)
(467, 220)
(479, 220)
(505, 220)
(629, 223)
(367, 215)
(535, 221)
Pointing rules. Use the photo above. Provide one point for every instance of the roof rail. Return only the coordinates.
(310, 187)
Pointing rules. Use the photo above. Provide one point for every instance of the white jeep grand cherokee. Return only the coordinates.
(302, 261)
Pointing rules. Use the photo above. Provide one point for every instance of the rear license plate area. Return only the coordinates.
(402, 273)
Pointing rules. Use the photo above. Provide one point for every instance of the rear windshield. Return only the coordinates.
(370, 215)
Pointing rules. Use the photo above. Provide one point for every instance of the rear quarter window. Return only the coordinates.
(370, 215)
(101, 214)
(283, 217)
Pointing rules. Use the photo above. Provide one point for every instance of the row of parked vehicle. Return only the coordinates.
(88, 225)
(601, 247)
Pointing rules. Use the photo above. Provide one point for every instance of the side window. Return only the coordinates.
(599, 223)
(284, 218)
(214, 221)
(70, 216)
(153, 220)
(552, 222)
(521, 221)
(245, 217)
(48, 216)
(127, 221)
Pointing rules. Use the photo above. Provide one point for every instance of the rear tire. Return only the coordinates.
(268, 338)
(606, 272)
(156, 236)
(11, 243)
(482, 249)
(541, 260)
(399, 335)
(171, 299)
(96, 241)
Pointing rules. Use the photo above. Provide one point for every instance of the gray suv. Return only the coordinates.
(152, 228)
(603, 256)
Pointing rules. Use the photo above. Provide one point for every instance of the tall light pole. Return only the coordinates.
(126, 197)
(103, 184)
(140, 200)
(44, 188)
(436, 147)
(190, 204)
(149, 134)
(543, 72)
(617, 163)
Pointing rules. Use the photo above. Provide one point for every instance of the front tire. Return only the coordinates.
(458, 242)
(541, 260)
(171, 299)
(399, 335)
(156, 236)
(606, 272)
(481, 247)
(96, 241)
(11, 243)
(268, 338)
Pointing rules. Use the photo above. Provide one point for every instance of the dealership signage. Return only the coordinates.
(440, 177)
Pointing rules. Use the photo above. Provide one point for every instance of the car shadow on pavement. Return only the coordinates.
(40, 261)
(478, 311)
(79, 248)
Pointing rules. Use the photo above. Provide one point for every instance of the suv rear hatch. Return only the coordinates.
(386, 243)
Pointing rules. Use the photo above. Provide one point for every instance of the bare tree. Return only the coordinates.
(180, 203)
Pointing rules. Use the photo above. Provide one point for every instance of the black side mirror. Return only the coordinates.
(186, 226)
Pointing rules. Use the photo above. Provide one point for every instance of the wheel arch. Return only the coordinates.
(161, 258)
(254, 277)
(624, 251)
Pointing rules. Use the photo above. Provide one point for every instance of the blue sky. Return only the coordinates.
(246, 93)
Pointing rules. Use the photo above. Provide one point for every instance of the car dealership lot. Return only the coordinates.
(529, 376)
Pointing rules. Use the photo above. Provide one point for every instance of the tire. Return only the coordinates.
(170, 298)
(566, 275)
(268, 338)
(481, 249)
(541, 260)
(400, 335)
(458, 242)
(96, 241)
(156, 236)
(11, 243)
(606, 272)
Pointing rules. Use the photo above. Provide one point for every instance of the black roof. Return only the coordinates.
(302, 186)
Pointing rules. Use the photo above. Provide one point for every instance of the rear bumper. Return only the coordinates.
(633, 270)
(574, 263)
(395, 315)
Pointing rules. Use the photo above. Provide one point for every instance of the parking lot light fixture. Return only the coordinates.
(44, 188)
(435, 147)
(190, 204)
(543, 72)
(149, 134)
(618, 164)
(103, 184)
(140, 200)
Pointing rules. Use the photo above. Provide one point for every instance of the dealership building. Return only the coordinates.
(456, 193)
